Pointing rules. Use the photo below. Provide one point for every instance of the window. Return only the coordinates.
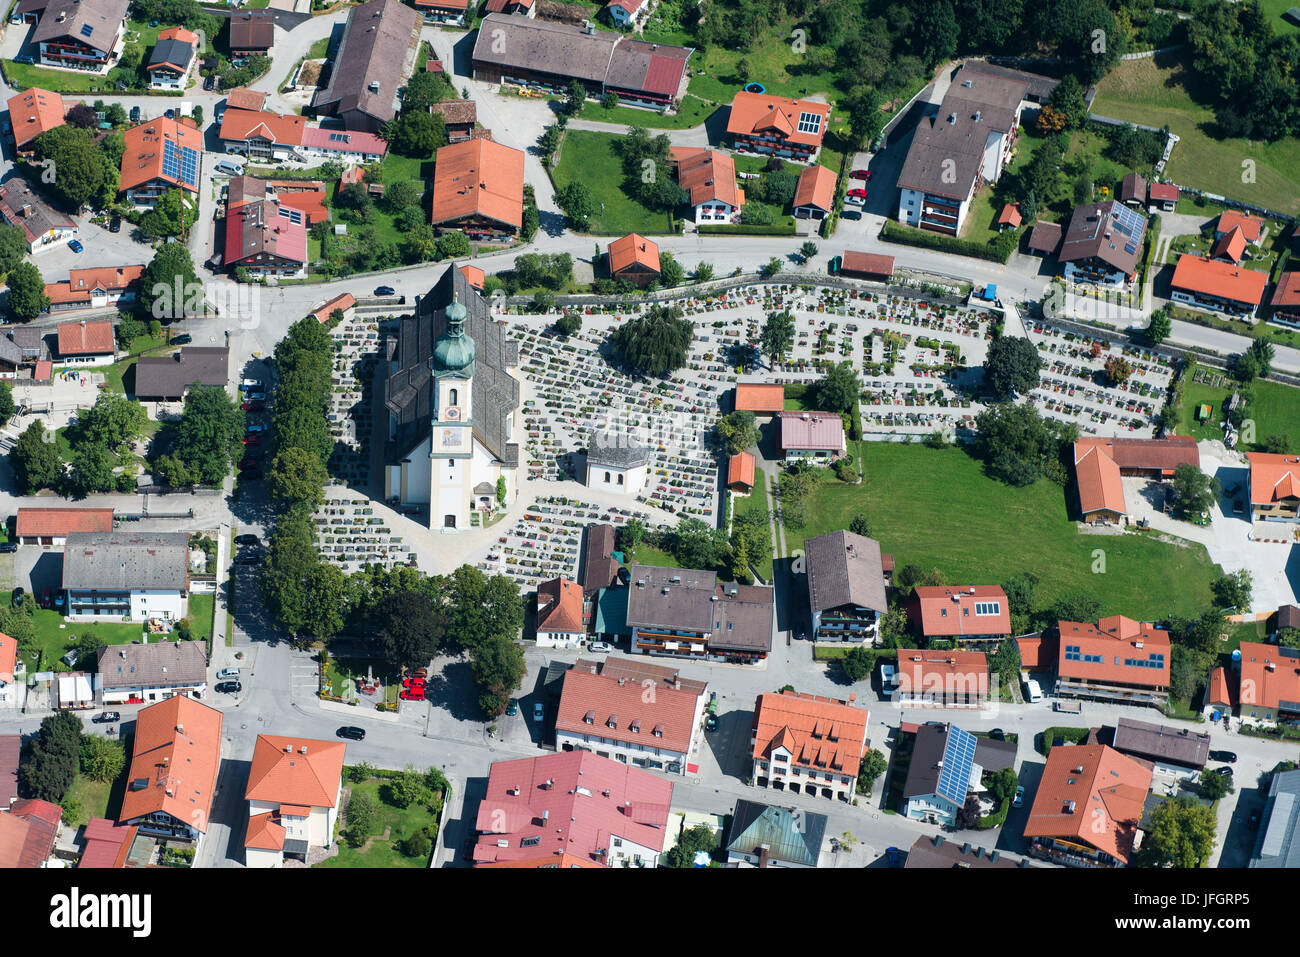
(453, 396)
(620, 479)
(988, 608)
(810, 123)
(606, 478)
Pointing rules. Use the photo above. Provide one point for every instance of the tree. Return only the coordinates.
(777, 337)
(1012, 366)
(697, 545)
(114, 422)
(52, 758)
(1118, 369)
(703, 272)
(13, 248)
(610, 100)
(543, 302)
(969, 814)
(770, 268)
(422, 90)
(837, 390)
(169, 216)
(865, 118)
(7, 405)
(692, 842)
(1013, 442)
(454, 246)
(418, 135)
(737, 431)
(1077, 606)
(170, 286)
(298, 476)
(1067, 100)
(1049, 121)
(209, 432)
(1029, 208)
(576, 202)
(73, 166)
(1181, 835)
(361, 813)
(82, 116)
(909, 576)
(860, 526)
(656, 343)
(671, 272)
(498, 666)
(417, 845)
(1193, 491)
(482, 609)
(808, 250)
(856, 665)
(872, 767)
(35, 462)
(575, 97)
(1002, 785)
(1160, 326)
(1019, 590)
(1263, 352)
(630, 534)
(92, 471)
(405, 788)
(1215, 786)
(403, 193)
(1245, 366)
(1232, 590)
(27, 298)
(102, 759)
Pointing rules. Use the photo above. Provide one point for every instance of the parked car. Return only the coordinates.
(6, 547)
(408, 694)
(1225, 771)
(16, 599)
(1230, 757)
(228, 673)
(253, 406)
(115, 224)
(251, 440)
(135, 114)
(246, 385)
(413, 683)
(170, 114)
(210, 82)
(860, 174)
(859, 192)
(850, 213)
(183, 339)
(229, 687)
(419, 673)
(385, 291)
(247, 539)
(106, 717)
(997, 734)
(539, 712)
(710, 722)
(600, 646)
(1019, 799)
(59, 599)
(75, 245)
(855, 201)
(45, 598)
(255, 396)
(512, 708)
(351, 731)
(253, 428)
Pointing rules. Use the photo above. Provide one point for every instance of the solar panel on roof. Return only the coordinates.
(87, 29)
(1130, 248)
(958, 756)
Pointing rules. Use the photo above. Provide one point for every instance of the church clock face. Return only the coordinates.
(452, 413)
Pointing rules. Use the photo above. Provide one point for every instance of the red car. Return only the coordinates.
(45, 598)
(410, 685)
(860, 193)
(419, 674)
(411, 695)
(860, 174)
(252, 462)
(257, 405)
(252, 440)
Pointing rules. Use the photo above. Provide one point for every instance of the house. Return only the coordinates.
(846, 586)
(1045, 238)
(632, 711)
(547, 54)
(572, 809)
(1274, 487)
(709, 177)
(1178, 751)
(451, 431)
(1277, 843)
(30, 344)
(369, 66)
(814, 197)
(43, 226)
(624, 13)
(28, 830)
(1100, 463)
(761, 398)
(86, 343)
(964, 145)
(616, 463)
(478, 189)
(687, 613)
(266, 238)
(266, 137)
(1118, 660)
(740, 473)
(1252, 227)
(1009, 217)
(168, 378)
(870, 266)
(443, 11)
(1089, 802)
(935, 852)
(11, 358)
(80, 34)
(474, 276)
(559, 614)
(1162, 197)
(458, 116)
(105, 844)
(242, 98)
(11, 746)
(599, 571)
(161, 154)
(1287, 616)
(94, 288)
(136, 673)
(351, 146)
(252, 34)
(1221, 694)
(635, 259)
(967, 613)
(173, 55)
(31, 113)
(11, 692)
(133, 575)
(1268, 684)
(523, 8)
(344, 302)
(946, 767)
(777, 126)
(51, 526)
(1230, 247)
(808, 744)
(305, 195)
(811, 435)
(765, 836)
(173, 770)
(941, 678)
(1133, 190)
(1102, 244)
(293, 793)
(1286, 301)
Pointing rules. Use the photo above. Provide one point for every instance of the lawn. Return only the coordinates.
(1276, 411)
(756, 502)
(392, 825)
(692, 112)
(202, 608)
(590, 157)
(921, 501)
(395, 169)
(1154, 91)
(1273, 10)
(54, 635)
(645, 554)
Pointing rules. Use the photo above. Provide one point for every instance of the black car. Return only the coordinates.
(182, 339)
(115, 224)
(350, 731)
(710, 722)
(106, 717)
(210, 82)
(997, 734)
(1225, 771)
(385, 291)
(17, 599)
(247, 540)
(229, 687)
(1230, 757)
(6, 547)
(135, 114)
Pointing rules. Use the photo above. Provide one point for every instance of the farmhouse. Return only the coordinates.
(43, 226)
(1274, 487)
(252, 34)
(266, 238)
(1100, 462)
(293, 791)
(967, 613)
(370, 65)
(51, 526)
(458, 116)
(947, 764)
(173, 55)
(80, 34)
(1217, 286)
(709, 177)
(86, 343)
(478, 189)
(777, 126)
(946, 679)
(168, 378)
(811, 435)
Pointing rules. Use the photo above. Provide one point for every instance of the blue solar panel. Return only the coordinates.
(1130, 247)
(958, 756)
(1130, 222)
(181, 163)
(87, 29)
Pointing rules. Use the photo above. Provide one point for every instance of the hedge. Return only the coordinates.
(776, 229)
(1065, 734)
(896, 232)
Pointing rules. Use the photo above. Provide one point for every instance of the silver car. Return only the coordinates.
(225, 673)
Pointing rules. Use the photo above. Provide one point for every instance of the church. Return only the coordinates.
(448, 402)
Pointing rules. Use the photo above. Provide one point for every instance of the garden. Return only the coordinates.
(391, 818)
(591, 158)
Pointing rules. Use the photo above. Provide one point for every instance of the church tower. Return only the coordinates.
(452, 448)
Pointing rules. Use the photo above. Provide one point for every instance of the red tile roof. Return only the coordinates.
(1273, 478)
(1098, 479)
(1223, 280)
(1221, 690)
(1269, 676)
(762, 114)
(821, 431)
(559, 606)
(821, 733)
(1010, 215)
(295, 771)
(708, 175)
(816, 188)
(8, 657)
(265, 832)
(32, 112)
(1098, 462)
(58, 522)
(344, 301)
(951, 611)
(143, 159)
(1090, 794)
(258, 229)
(178, 33)
(82, 284)
(242, 98)
(282, 129)
(575, 803)
(179, 767)
(634, 715)
(943, 673)
(759, 397)
(1113, 640)
(107, 844)
(86, 338)
(1231, 246)
(1162, 192)
(479, 178)
(866, 264)
(1037, 652)
(633, 250)
(740, 468)
(1287, 292)
(474, 276)
(1250, 226)
(28, 832)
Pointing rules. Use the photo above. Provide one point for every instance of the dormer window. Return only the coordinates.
(589, 717)
(636, 727)
(612, 722)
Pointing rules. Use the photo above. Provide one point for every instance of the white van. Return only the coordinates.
(229, 168)
(1032, 691)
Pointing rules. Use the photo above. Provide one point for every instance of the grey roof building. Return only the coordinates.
(168, 377)
(844, 569)
(615, 450)
(1288, 616)
(126, 561)
(10, 750)
(599, 566)
(774, 836)
(681, 606)
(1278, 842)
(1103, 236)
(31, 342)
(22, 206)
(1161, 744)
(934, 852)
(93, 23)
(159, 664)
(177, 53)
(370, 65)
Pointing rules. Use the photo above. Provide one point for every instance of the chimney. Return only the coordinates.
(764, 853)
(546, 815)
(180, 729)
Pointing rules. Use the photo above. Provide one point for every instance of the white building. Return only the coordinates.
(133, 575)
(151, 671)
(559, 614)
(293, 797)
(625, 12)
(615, 463)
(846, 586)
